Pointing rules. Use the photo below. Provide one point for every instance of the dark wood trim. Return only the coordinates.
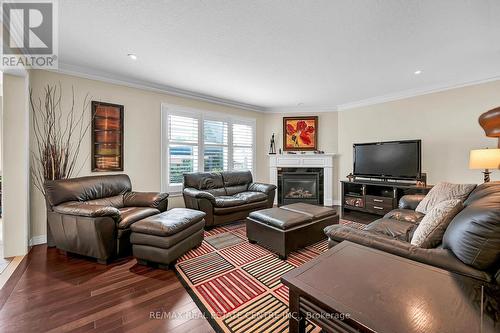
(315, 118)
(95, 104)
(377, 204)
(11, 283)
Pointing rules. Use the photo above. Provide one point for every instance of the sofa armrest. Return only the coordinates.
(437, 257)
(197, 194)
(81, 209)
(260, 187)
(146, 199)
(410, 201)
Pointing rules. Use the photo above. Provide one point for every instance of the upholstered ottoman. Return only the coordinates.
(288, 228)
(162, 238)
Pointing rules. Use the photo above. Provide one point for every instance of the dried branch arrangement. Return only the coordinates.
(59, 133)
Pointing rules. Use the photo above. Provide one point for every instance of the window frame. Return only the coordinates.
(201, 115)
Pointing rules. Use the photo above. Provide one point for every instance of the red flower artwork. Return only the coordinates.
(301, 132)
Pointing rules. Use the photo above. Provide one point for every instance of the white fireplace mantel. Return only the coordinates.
(298, 160)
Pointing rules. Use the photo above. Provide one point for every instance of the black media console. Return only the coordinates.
(376, 197)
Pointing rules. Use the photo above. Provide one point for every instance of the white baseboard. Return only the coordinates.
(37, 240)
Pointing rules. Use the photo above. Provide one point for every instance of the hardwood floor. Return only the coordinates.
(50, 292)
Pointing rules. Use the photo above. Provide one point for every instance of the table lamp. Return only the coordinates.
(485, 159)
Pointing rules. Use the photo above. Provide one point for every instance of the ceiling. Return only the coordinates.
(283, 55)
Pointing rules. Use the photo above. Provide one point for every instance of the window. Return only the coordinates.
(242, 146)
(215, 150)
(193, 141)
(182, 147)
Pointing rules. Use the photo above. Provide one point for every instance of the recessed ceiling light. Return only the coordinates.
(418, 72)
(132, 56)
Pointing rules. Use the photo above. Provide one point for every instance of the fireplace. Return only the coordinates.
(300, 185)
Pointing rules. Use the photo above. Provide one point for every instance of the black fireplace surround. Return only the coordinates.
(300, 185)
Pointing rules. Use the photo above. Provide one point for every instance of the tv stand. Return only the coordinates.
(376, 196)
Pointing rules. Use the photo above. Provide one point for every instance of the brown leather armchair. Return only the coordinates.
(92, 216)
(470, 245)
(226, 196)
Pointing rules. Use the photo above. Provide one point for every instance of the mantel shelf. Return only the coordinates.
(302, 155)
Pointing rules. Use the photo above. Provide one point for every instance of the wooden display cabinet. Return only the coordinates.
(107, 137)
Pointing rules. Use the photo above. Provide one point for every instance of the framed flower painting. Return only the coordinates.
(300, 133)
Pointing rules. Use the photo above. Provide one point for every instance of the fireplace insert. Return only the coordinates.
(300, 185)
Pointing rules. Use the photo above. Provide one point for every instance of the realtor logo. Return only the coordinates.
(29, 36)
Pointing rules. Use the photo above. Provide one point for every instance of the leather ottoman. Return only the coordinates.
(291, 227)
(162, 238)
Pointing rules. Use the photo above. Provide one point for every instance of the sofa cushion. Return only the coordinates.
(115, 201)
(86, 188)
(474, 234)
(430, 231)
(484, 193)
(234, 178)
(206, 181)
(236, 181)
(129, 215)
(168, 223)
(224, 201)
(392, 228)
(442, 192)
(83, 209)
(250, 197)
(406, 215)
(232, 190)
(240, 209)
(280, 218)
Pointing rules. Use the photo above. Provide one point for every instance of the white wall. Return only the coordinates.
(142, 131)
(15, 179)
(446, 122)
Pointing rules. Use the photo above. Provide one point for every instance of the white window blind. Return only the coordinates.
(182, 147)
(194, 140)
(242, 147)
(215, 150)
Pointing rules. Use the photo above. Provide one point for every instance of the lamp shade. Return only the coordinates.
(484, 159)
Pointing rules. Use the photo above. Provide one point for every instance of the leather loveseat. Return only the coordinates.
(470, 245)
(91, 216)
(226, 196)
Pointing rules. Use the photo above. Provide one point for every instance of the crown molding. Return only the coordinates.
(91, 74)
(17, 71)
(302, 109)
(412, 93)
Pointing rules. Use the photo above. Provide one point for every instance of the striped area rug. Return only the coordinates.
(237, 284)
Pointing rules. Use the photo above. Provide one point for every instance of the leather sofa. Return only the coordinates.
(470, 245)
(91, 216)
(226, 196)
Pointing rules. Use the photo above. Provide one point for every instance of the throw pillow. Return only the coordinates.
(430, 231)
(442, 192)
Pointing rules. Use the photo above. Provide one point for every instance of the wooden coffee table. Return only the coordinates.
(353, 288)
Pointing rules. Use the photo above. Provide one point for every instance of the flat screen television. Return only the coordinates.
(388, 160)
